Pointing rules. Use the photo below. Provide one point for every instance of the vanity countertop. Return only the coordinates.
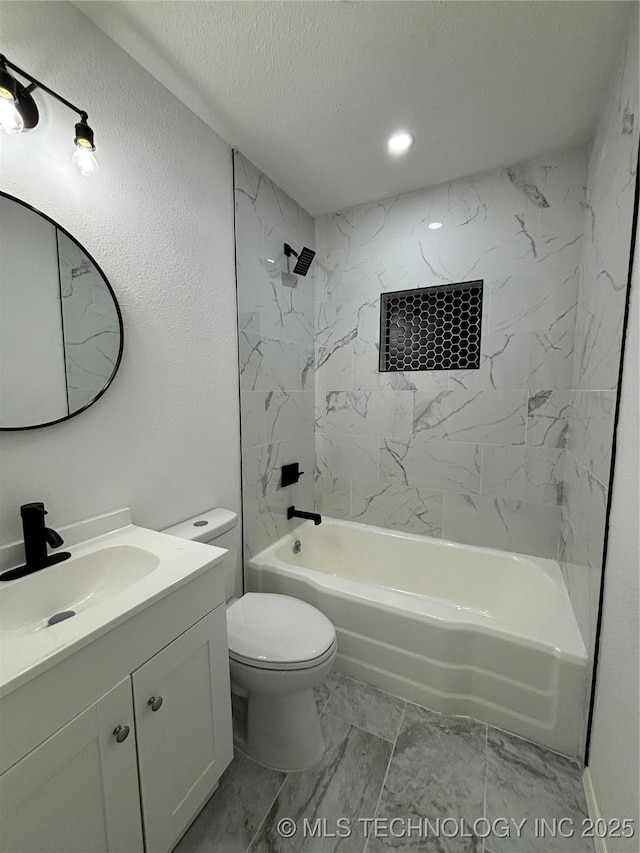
(109, 578)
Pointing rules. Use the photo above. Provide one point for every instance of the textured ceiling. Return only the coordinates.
(309, 91)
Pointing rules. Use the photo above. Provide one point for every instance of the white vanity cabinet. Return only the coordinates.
(186, 742)
(148, 753)
(78, 791)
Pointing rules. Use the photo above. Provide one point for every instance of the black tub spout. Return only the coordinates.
(292, 512)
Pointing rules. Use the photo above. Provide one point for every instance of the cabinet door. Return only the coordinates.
(78, 791)
(186, 743)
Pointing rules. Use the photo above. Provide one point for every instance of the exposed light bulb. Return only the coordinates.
(85, 161)
(11, 122)
(400, 142)
(435, 226)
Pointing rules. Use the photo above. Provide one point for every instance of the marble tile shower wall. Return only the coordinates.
(91, 329)
(598, 339)
(477, 455)
(276, 342)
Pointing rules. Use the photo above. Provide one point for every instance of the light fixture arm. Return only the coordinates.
(19, 111)
(36, 84)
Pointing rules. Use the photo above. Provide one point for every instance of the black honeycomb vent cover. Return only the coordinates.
(431, 328)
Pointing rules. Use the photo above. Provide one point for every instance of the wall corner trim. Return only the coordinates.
(593, 808)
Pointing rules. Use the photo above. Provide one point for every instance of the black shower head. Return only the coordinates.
(305, 258)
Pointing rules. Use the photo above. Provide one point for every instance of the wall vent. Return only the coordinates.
(431, 328)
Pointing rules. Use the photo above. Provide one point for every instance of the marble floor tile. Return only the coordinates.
(526, 781)
(231, 818)
(345, 783)
(367, 707)
(441, 767)
(325, 690)
(437, 771)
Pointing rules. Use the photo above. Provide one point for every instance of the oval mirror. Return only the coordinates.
(61, 333)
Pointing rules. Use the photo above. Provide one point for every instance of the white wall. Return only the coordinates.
(615, 746)
(158, 218)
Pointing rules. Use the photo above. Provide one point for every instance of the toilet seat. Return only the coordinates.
(278, 632)
(292, 666)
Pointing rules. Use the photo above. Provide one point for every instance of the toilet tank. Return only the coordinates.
(217, 527)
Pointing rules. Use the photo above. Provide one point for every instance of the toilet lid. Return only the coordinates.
(277, 629)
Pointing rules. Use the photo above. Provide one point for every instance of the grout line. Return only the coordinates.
(572, 759)
(351, 491)
(404, 711)
(404, 714)
(459, 717)
(375, 687)
(266, 814)
(362, 728)
(489, 318)
(353, 384)
(588, 470)
(486, 763)
(331, 692)
(384, 781)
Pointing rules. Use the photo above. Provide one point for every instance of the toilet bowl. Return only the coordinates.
(280, 648)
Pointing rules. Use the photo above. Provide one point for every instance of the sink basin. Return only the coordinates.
(77, 584)
(116, 570)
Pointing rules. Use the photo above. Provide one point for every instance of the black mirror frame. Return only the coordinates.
(118, 312)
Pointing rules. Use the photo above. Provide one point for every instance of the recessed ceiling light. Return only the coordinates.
(400, 142)
(435, 226)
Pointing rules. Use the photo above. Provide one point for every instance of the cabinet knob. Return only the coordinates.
(155, 703)
(121, 733)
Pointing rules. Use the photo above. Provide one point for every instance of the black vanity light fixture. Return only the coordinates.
(19, 112)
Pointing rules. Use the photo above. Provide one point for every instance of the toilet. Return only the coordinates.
(280, 648)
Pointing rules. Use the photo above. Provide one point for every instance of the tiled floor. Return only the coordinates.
(389, 759)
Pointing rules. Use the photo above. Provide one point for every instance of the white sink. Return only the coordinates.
(81, 582)
(107, 580)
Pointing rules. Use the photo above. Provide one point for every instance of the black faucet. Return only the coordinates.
(36, 539)
(292, 512)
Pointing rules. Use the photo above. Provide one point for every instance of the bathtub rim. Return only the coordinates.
(564, 641)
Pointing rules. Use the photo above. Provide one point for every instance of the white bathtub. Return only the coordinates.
(458, 629)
